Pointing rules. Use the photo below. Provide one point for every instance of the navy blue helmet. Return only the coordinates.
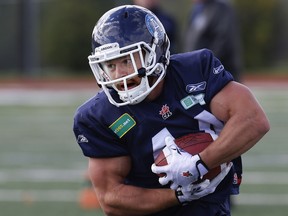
(126, 30)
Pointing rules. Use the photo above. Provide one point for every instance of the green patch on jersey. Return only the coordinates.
(192, 100)
(122, 125)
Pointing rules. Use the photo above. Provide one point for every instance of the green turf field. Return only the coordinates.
(42, 168)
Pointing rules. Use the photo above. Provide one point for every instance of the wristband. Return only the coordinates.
(178, 194)
(202, 167)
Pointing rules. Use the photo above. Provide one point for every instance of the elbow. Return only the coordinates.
(263, 126)
(109, 210)
(266, 127)
(109, 206)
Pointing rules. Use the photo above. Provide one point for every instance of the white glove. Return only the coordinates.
(182, 169)
(196, 191)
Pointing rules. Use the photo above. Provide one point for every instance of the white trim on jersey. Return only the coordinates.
(158, 141)
(205, 120)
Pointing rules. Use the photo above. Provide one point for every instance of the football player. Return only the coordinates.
(149, 98)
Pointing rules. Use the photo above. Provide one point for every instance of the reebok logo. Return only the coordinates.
(196, 87)
(82, 139)
(218, 69)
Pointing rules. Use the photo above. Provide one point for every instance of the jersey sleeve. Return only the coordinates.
(95, 139)
(201, 72)
(214, 73)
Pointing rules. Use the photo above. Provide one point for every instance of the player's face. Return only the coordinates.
(121, 67)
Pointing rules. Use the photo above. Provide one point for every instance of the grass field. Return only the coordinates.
(42, 168)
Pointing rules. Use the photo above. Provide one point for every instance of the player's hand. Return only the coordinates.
(196, 191)
(183, 168)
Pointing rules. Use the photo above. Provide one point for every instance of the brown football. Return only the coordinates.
(192, 143)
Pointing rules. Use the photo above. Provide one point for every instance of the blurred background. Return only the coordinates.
(45, 76)
(52, 37)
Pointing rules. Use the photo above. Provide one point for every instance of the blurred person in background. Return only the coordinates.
(213, 24)
(166, 19)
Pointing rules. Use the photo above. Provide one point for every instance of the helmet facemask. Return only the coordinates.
(147, 67)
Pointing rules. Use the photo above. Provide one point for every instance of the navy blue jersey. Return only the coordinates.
(192, 80)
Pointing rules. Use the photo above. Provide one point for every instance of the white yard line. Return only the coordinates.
(41, 175)
(76, 175)
(73, 196)
(38, 195)
(275, 178)
(261, 199)
(43, 97)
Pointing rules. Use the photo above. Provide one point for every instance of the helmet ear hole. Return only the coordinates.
(163, 59)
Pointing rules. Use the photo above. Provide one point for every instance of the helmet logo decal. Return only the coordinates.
(113, 46)
(154, 27)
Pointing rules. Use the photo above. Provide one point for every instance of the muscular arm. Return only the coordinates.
(116, 198)
(245, 124)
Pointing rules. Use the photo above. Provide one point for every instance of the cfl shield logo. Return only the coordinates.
(187, 174)
(165, 112)
(196, 87)
(154, 26)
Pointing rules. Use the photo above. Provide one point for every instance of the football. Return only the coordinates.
(192, 143)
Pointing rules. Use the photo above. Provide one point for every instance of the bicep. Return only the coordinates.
(234, 99)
